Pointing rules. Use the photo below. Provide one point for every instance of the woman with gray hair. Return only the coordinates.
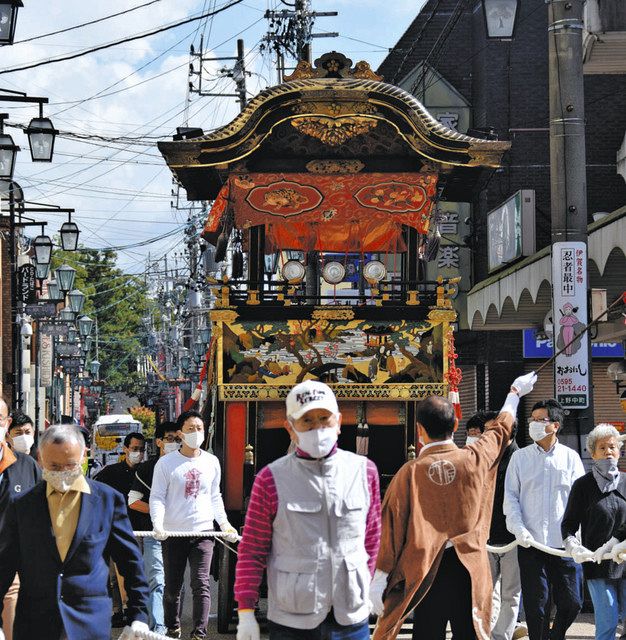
(597, 505)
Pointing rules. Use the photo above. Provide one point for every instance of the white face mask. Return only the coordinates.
(3, 433)
(194, 439)
(23, 443)
(318, 443)
(134, 457)
(168, 447)
(471, 439)
(537, 430)
(61, 480)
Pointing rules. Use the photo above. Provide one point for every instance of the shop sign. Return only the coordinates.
(45, 360)
(569, 298)
(52, 329)
(26, 283)
(41, 310)
(537, 347)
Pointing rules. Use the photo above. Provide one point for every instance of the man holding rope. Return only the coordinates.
(435, 520)
(538, 482)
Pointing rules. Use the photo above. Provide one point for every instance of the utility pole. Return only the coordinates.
(568, 190)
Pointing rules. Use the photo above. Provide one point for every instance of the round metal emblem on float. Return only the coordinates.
(333, 272)
(374, 271)
(293, 270)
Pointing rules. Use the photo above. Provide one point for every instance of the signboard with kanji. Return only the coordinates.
(569, 283)
(26, 283)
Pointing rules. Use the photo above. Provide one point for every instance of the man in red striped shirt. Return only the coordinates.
(313, 522)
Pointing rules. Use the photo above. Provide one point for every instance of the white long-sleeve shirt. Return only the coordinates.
(536, 489)
(186, 493)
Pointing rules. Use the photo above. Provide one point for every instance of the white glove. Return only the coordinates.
(581, 554)
(159, 534)
(232, 535)
(605, 549)
(1, 634)
(617, 550)
(132, 632)
(377, 588)
(524, 384)
(524, 538)
(248, 627)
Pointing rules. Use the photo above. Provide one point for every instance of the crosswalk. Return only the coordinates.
(406, 633)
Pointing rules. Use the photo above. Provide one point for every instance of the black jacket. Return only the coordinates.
(600, 516)
(499, 534)
(16, 480)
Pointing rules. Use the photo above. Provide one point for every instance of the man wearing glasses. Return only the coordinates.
(537, 485)
(18, 474)
(167, 441)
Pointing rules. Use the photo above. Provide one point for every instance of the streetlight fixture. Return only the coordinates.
(500, 18)
(8, 150)
(41, 135)
(66, 315)
(41, 271)
(69, 234)
(72, 336)
(198, 349)
(10, 186)
(77, 300)
(54, 293)
(8, 20)
(42, 245)
(65, 276)
(185, 363)
(205, 335)
(85, 323)
(86, 344)
(94, 367)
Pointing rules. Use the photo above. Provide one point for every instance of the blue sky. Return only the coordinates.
(121, 189)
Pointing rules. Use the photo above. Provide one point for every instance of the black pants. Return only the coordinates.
(448, 600)
(538, 572)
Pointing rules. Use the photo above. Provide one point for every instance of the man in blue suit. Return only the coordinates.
(58, 537)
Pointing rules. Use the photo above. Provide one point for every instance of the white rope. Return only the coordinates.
(128, 634)
(561, 553)
(185, 534)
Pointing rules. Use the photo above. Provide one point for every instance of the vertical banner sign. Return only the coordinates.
(45, 360)
(569, 298)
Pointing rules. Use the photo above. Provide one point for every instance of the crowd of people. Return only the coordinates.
(473, 537)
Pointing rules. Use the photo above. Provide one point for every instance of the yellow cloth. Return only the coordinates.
(64, 511)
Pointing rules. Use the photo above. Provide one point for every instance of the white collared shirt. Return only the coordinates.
(435, 444)
(536, 490)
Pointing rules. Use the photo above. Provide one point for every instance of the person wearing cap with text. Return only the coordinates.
(435, 524)
(313, 522)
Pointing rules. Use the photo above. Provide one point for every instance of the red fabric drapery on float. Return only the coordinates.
(363, 212)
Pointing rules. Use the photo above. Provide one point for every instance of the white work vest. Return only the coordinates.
(318, 558)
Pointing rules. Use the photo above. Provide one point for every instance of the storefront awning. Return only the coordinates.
(519, 297)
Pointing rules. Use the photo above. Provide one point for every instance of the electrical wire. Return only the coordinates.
(109, 45)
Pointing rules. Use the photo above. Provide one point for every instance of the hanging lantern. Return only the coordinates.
(94, 367)
(69, 235)
(8, 20)
(86, 344)
(54, 293)
(42, 246)
(205, 334)
(65, 276)
(199, 349)
(66, 315)
(72, 336)
(85, 323)
(8, 153)
(42, 271)
(41, 135)
(77, 300)
(185, 363)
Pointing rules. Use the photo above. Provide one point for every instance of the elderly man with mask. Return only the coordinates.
(186, 496)
(18, 474)
(536, 489)
(314, 523)
(58, 537)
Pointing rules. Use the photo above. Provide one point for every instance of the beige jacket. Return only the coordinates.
(445, 494)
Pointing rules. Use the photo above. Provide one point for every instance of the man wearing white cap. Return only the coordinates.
(314, 523)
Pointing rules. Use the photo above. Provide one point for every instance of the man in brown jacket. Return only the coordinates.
(435, 525)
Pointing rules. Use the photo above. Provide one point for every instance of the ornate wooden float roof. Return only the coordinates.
(332, 118)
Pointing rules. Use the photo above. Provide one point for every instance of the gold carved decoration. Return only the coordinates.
(334, 109)
(333, 314)
(333, 65)
(335, 166)
(442, 315)
(334, 131)
(363, 71)
(223, 315)
(304, 71)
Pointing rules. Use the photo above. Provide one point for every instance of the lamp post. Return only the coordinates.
(8, 20)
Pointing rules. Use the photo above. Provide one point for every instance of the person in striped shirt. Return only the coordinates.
(313, 522)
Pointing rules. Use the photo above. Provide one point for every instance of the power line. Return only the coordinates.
(108, 45)
(86, 24)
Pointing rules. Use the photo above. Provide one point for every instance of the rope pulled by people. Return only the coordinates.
(185, 534)
(561, 553)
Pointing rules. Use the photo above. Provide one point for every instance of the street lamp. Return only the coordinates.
(66, 315)
(65, 276)
(185, 363)
(69, 235)
(42, 245)
(198, 349)
(85, 323)
(77, 300)
(42, 271)
(8, 150)
(86, 344)
(41, 135)
(8, 19)
(72, 336)
(95, 369)
(7, 187)
(500, 18)
(205, 334)
(54, 293)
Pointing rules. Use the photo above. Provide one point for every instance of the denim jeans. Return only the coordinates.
(539, 572)
(176, 553)
(153, 563)
(330, 629)
(609, 605)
